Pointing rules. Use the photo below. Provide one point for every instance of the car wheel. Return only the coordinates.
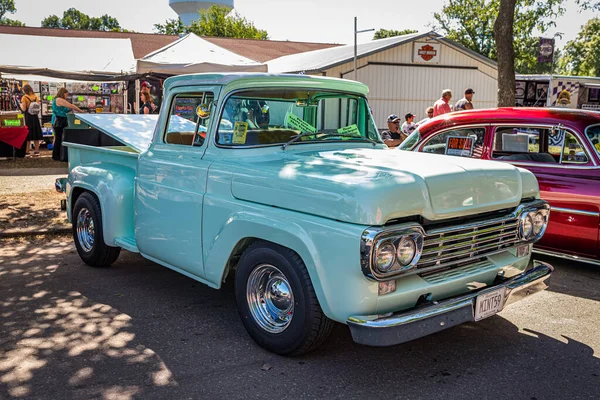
(277, 302)
(88, 235)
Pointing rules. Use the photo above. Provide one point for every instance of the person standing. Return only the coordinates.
(60, 109)
(145, 88)
(409, 125)
(147, 103)
(392, 136)
(466, 103)
(30, 105)
(442, 106)
(429, 112)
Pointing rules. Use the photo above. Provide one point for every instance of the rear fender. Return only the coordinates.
(114, 188)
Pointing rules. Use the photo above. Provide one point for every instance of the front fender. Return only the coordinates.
(114, 187)
(330, 250)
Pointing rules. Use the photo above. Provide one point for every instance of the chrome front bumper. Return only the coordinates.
(425, 320)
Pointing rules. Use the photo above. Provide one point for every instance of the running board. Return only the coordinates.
(127, 243)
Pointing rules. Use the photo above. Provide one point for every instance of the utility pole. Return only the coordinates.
(356, 32)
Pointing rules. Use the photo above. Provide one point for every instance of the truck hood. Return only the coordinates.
(373, 186)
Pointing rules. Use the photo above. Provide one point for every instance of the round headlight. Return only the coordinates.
(539, 219)
(527, 226)
(405, 251)
(385, 257)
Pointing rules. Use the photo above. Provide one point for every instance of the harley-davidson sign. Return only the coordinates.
(426, 52)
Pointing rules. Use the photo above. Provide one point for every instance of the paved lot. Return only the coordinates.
(138, 330)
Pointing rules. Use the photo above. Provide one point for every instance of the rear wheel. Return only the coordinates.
(88, 234)
(277, 302)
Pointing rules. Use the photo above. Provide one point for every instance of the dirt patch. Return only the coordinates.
(24, 211)
(43, 161)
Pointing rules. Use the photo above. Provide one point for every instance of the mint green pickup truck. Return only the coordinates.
(283, 184)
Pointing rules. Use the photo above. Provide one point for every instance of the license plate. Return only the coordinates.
(489, 304)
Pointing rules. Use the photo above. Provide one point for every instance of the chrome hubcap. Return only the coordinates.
(270, 298)
(85, 229)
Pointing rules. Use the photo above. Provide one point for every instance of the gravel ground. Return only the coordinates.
(137, 330)
(27, 184)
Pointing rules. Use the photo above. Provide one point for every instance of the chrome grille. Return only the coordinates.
(445, 247)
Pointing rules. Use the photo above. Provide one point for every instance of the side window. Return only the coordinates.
(188, 119)
(527, 144)
(593, 134)
(450, 143)
(573, 151)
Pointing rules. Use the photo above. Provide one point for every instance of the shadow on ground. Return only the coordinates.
(137, 330)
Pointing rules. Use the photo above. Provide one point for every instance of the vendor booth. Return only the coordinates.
(96, 78)
(574, 92)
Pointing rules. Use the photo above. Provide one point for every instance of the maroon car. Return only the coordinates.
(560, 146)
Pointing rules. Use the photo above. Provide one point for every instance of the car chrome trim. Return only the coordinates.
(396, 328)
(565, 256)
(464, 243)
(573, 211)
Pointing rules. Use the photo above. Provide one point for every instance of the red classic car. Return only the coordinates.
(561, 147)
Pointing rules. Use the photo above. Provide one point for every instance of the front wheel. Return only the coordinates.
(88, 234)
(277, 302)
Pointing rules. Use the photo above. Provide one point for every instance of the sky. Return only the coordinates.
(330, 21)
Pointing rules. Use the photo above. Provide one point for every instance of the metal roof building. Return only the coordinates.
(404, 73)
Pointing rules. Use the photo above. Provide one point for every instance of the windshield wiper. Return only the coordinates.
(351, 136)
(303, 134)
(296, 138)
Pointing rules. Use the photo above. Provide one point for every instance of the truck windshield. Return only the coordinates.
(278, 116)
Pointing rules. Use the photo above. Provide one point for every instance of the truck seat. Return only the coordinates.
(185, 138)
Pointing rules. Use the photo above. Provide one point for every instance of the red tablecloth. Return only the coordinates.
(14, 136)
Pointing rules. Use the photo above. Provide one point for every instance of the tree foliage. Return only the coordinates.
(8, 7)
(581, 56)
(171, 27)
(386, 33)
(75, 19)
(215, 21)
(471, 23)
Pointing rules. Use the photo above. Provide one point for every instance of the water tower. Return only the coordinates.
(188, 9)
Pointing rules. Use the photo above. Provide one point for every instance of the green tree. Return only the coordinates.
(215, 21)
(75, 19)
(581, 56)
(171, 27)
(386, 33)
(471, 23)
(8, 7)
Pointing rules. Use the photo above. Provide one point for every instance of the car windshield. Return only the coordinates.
(411, 141)
(293, 116)
(593, 134)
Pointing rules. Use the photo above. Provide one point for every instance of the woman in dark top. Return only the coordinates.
(147, 105)
(60, 109)
(32, 119)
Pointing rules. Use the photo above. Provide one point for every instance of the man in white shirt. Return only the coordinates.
(409, 125)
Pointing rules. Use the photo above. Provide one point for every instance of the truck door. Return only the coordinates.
(171, 182)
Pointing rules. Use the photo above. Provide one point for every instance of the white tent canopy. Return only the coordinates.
(192, 54)
(66, 57)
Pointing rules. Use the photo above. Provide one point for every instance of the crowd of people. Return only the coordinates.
(396, 133)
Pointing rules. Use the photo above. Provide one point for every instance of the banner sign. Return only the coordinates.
(546, 50)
